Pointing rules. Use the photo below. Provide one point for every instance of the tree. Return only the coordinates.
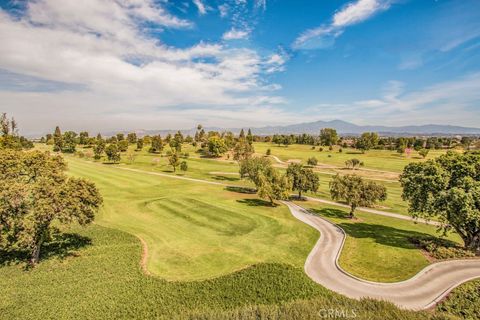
(35, 196)
(9, 138)
(249, 136)
(156, 144)
(356, 192)
(242, 150)
(184, 166)
(423, 153)
(216, 146)
(447, 188)
(57, 140)
(69, 142)
(353, 163)
(367, 141)
(139, 144)
(99, 148)
(123, 145)
(303, 179)
(312, 161)
(328, 137)
(273, 186)
(120, 137)
(268, 181)
(113, 153)
(132, 138)
(83, 138)
(174, 161)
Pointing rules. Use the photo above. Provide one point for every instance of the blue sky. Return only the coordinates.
(144, 64)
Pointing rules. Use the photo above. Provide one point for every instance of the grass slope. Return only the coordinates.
(103, 280)
(195, 230)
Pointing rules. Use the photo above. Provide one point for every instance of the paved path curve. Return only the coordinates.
(422, 291)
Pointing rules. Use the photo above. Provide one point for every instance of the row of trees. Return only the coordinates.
(371, 140)
(9, 137)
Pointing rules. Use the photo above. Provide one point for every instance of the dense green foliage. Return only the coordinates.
(113, 153)
(216, 146)
(356, 192)
(442, 248)
(303, 179)
(35, 194)
(270, 183)
(463, 302)
(448, 188)
(328, 137)
(367, 141)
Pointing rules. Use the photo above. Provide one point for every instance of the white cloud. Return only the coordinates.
(234, 34)
(262, 4)
(353, 13)
(223, 9)
(107, 64)
(359, 11)
(202, 9)
(451, 102)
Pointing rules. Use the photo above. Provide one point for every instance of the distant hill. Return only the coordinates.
(342, 127)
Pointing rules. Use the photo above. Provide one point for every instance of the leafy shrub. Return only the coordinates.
(441, 248)
(312, 161)
(463, 302)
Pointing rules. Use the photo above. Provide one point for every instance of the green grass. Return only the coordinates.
(214, 253)
(377, 248)
(103, 280)
(373, 159)
(195, 230)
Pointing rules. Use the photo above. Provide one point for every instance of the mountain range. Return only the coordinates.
(342, 127)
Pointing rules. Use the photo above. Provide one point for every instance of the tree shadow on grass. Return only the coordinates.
(224, 178)
(256, 203)
(381, 234)
(61, 246)
(241, 189)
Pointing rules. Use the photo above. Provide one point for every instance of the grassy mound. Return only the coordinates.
(102, 279)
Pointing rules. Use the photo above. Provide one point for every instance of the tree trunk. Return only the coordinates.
(36, 250)
(352, 211)
(299, 194)
(472, 243)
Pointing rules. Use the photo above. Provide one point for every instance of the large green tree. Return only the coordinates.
(328, 137)
(69, 142)
(270, 184)
(216, 146)
(356, 192)
(447, 188)
(35, 195)
(367, 141)
(113, 153)
(156, 144)
(303, 179)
